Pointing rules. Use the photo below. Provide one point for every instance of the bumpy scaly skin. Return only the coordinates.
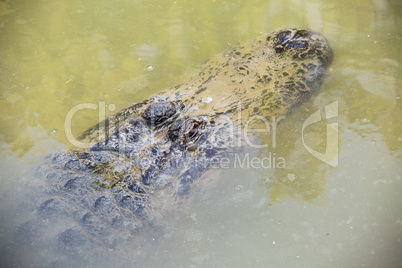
(143, 160)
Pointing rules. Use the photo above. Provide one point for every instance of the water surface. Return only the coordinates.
(57, 54)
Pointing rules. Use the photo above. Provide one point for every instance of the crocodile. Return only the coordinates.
(140, 163)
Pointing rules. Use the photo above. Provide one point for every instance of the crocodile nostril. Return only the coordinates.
(297, 44)
(283, 36)
(300, 33)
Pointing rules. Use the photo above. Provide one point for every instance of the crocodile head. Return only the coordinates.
(153, 142)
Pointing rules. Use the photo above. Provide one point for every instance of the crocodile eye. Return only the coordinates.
(283, 36)
(193, 131)
(160, 113)
(187, 130)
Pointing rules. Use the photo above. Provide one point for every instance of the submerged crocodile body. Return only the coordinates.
(141, 162)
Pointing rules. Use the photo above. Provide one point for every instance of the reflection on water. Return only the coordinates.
(55, 55)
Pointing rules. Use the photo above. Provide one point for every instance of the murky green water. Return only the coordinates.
(57, 54)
